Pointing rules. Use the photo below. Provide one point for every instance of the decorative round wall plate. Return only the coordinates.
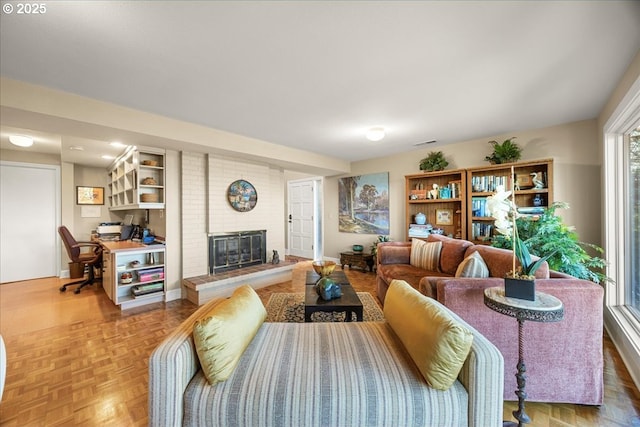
(242, 195)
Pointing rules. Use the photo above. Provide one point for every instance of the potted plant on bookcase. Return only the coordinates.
(520, 281)
(434, 161)
(507, 152)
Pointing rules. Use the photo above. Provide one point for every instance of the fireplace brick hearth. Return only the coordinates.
(201, 289)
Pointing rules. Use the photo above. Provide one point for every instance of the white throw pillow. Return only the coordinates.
(425, 255)
(473, 266)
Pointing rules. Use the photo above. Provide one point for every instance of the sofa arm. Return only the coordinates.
(172, 365)
(564, 359)
(393, 253)
(483, 376)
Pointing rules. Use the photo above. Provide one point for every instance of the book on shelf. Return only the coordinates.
(420, 230)
(481, 231)
(140, 290)
(489, 183)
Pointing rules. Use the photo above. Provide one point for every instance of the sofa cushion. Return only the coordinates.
(437, 343)
(500, 261)
(223, 333)
(473, 266)
(452, 253)
(408, 273)
(425, 255)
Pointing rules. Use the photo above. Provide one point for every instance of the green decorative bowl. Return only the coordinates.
(357, 248)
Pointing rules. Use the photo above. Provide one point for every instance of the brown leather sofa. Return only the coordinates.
(393, 262)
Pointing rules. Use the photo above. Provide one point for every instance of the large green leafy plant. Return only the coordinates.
(549, 237)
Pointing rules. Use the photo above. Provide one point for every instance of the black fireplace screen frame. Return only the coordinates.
(230, 251)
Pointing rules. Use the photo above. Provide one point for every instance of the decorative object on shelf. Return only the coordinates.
(537, 201)
(444, 216)
(439, 231)
(434, 193)
(149, 163)
(134, 263)
(323, 268)
(328, 289)
(149, 198)
(507, 152)
(537, 178)
(275, 259)
(89, 195)
(434, 161)
(357, 248)
(363, 204)
(242, 195)
(126, 278)
(151, 258)
(421, 219)
(149, 181)
(505, 212)
(445, 193)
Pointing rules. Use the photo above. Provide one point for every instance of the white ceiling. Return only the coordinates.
(315, 75)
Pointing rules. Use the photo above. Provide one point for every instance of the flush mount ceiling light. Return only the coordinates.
(21, 140)
(375, 134)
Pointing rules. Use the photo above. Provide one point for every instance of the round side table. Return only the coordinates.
(545, 308)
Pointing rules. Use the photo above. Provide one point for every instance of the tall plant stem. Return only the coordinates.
(513, 220)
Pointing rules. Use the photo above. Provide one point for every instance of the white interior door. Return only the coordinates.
(301, 218)
(29, 196)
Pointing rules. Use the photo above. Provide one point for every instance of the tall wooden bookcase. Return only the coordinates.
(533, 184)
(446, 211)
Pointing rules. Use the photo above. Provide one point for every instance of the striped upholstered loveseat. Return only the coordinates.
(326, 374)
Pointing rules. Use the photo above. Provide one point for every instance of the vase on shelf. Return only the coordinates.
(421, 219)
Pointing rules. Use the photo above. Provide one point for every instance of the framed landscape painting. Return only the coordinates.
(363, 204)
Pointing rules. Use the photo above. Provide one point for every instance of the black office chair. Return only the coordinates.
(91, 259)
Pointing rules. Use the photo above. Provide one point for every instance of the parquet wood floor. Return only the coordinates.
(77, 360)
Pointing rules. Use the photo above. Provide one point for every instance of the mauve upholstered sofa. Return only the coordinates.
(564, 360)
(325, 374)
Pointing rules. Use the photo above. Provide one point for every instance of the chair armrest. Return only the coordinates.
(86, 244)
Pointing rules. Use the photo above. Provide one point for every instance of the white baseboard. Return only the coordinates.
(626, 339)
(173, 294)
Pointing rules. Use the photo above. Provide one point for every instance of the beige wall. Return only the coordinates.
(573, 146)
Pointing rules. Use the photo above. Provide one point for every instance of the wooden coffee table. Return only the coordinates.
(348, 302)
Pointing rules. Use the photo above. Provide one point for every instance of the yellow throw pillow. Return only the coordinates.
(437, 343)
(223, 334)
(425, 255)
(473, 266)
